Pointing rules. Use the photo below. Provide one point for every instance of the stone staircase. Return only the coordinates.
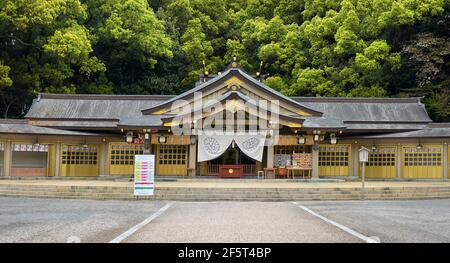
(231, 194)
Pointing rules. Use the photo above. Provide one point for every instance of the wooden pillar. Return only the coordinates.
(398, 160)
(270, 156)
(445, 161)
(57, 158)
(193, 157)
(7, 158)
(104, 160)
(315, 161)
(355, 159)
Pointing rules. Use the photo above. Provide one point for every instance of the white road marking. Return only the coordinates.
(135, 228)
(342, 227)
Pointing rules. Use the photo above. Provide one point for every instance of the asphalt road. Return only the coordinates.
(55, 220)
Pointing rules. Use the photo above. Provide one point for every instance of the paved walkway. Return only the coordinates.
(61, 220)
(236, 222)
(232, 183)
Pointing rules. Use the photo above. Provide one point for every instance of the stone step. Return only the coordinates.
(94, 188)
(227, 190)
(232, 193)
(229, 196)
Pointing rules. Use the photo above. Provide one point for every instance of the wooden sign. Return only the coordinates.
(302, 160)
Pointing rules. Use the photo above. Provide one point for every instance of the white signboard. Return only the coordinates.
(144, 174)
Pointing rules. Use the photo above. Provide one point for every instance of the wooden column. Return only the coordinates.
(355, 159)
(104, 160)
(315, 161)
(57, 158)
(270, 156)
(193, 157)
(398, 160)
(7, 158)
(445, 161)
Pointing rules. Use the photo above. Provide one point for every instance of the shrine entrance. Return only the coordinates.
(233, 163)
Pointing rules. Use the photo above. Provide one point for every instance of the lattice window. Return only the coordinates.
(290, 149)
(336, 155)
(77, 154)
(383, 156)
(21, 147)
(123, 154)
(173, 154)
(427, 156)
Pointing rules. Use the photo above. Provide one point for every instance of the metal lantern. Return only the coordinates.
(363, 158)
(419, 147)
(129, 137)
(333, 139)
(146, 141)
(301, 139)
(162, 139)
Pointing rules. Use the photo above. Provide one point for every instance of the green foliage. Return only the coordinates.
(5, 81)
(428, 56)
(308, 47)
(277, 83)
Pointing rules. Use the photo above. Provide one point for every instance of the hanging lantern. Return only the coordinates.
(129, 137)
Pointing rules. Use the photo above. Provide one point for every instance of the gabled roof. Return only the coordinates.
(324, 123)
(241, 97)
(425, 133)
(369, 110)
(91, 107)
(220, 79)
(23, 127)
(108, 112)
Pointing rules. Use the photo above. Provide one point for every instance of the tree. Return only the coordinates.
(129, 38)
(46, 47)
(307, 47)
(428, 55)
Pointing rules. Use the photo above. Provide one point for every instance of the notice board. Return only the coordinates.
(302, 160)
(144, 174)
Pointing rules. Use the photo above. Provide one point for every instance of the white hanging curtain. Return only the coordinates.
(212, 146)
(251, 144)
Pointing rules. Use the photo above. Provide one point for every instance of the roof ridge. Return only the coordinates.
(358, 99)
(102, 96)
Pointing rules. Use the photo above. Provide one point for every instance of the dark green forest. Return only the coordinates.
(351, 48)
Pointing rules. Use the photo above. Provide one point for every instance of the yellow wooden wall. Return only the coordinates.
(172, 159)
(334, 160)
(203, 169)
(258, 166)
(121, 157)
(51, 160)
(382, 162)
(76, 161)
(425, 163)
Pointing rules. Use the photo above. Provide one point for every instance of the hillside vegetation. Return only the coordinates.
(351, 48)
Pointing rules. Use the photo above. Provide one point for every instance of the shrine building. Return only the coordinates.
(228, 125)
